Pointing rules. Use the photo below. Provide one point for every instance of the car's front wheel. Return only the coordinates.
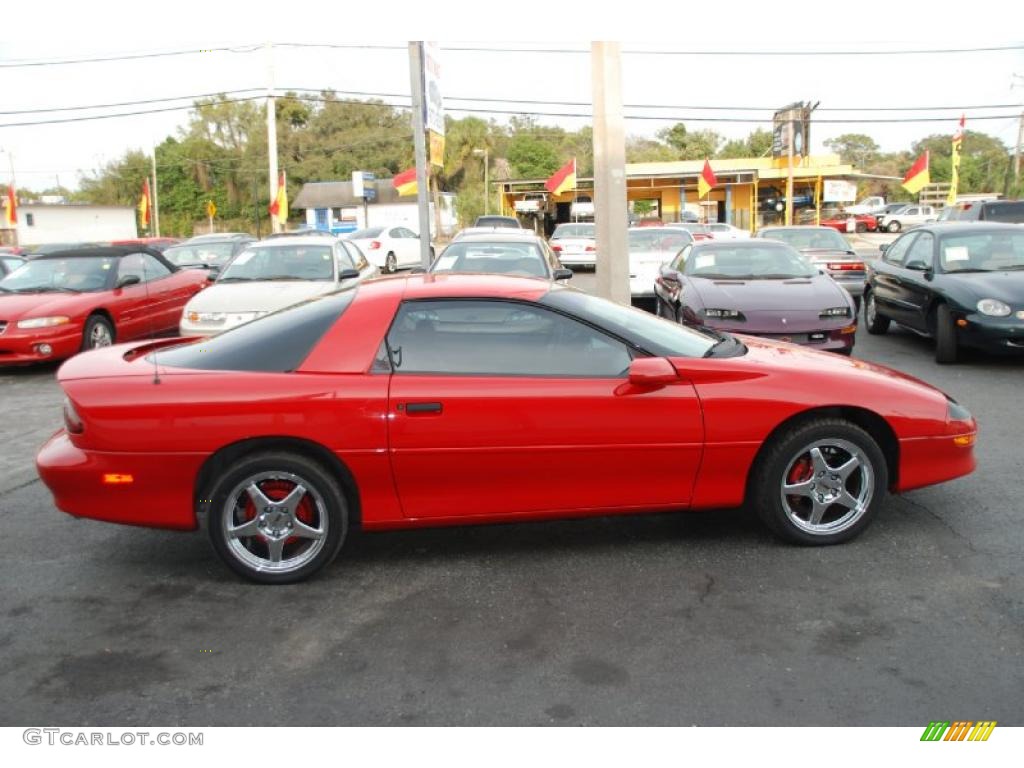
(820, 482)
(945, 335)
(276, 517)
(893, 226)
(99, 332)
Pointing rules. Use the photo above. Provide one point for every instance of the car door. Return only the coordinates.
(410, 247)
(507, 408)
(886, 281)
(132, 305)
(915, 281)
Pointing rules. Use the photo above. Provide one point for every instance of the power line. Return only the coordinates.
(492, 111)
(15, 63)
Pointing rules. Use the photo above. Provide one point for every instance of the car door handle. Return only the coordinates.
(416, 408)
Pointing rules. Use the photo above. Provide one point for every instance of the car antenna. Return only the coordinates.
(156, 368)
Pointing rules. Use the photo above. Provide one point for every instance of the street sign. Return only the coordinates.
(433, 106)
(211, 208)
(361, 185)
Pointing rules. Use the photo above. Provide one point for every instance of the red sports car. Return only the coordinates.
(840, 222)
(451, 399)
(56, 305)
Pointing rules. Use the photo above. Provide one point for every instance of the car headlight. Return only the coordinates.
(44, 322)
(834, 312)
(991, 307)
(211, 318)
(724, 314)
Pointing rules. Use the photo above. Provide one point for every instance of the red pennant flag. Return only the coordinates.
(706, 181)
(918, 175)
(11, 214)
(405, 183)
(563, 179)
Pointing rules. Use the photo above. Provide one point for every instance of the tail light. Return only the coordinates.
(846, 266)
(374, 245)
(590, 249)
(72, 421)
(556, 248)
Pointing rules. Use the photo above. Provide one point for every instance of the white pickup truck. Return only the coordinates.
(582, 208)
(869, 205)
(532, 203)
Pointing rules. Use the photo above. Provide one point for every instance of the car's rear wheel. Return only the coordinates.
(877, 324)
(98, 332)
(861, 227)
(893, 226)
(945, 335)
(276, 518)
(390, 264)
(820, 482)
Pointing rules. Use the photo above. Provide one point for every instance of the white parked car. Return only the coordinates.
(271, 275)
(727, 232)
(575, 244)
(582, 207)
(649, 248)
(388, 248)
(907, 218)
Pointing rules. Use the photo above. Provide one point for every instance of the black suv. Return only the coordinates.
(1001, 211)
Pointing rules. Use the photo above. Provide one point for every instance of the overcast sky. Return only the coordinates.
(44, 152)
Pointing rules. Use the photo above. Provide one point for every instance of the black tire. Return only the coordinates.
(876, 323)
(97, 328)
(390, 264)
(662, 310)
(780, 458)
(861, 226)
(893, 226)
(327, 505)
(945, 335)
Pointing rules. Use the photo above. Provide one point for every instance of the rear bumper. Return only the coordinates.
(160, 494)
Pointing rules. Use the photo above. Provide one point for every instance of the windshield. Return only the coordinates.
(980, 252)
(573, 230)
(206, 254)
(658, 240)
(761, 262)
(496, 258)
(809, 239)
(81, 273)
(497, 221)
(366, 234)
(651, 333)
(281, 262)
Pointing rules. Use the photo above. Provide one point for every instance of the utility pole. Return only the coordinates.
(272, 133)
(789, 174)
(156, 199)
(1016, 151)
(610, 173)
(419, 142)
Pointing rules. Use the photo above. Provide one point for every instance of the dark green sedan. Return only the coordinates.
(961, 284)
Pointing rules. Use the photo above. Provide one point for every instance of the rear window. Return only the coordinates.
(276, 343)
(366, 234)
(1010, 213)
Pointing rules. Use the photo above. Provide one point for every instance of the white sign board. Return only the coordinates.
(433, 106)
(839, 191)
(357, 183)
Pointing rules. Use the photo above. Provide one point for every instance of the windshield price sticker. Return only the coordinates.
(704, 260)
(957, 253)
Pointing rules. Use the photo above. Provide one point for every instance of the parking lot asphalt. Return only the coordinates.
(675, 619)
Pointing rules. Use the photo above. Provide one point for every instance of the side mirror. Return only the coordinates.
(884, 247)
(127, 280)
(563, 274)
(917, 266)
(213, 273)
(647, 371)
(347, 274)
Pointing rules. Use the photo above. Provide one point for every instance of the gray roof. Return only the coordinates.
(335, 194)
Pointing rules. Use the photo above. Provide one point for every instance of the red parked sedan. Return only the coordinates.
(56, 305)
(451, 399)
(840, 222)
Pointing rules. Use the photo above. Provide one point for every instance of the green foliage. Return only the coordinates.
(855, 149)
(691, 145)
(532, 157)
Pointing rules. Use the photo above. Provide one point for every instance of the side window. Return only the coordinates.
(143, 266)
(345, 261)
(500, 338)
(922, 249)
(355, 256)
(896, 252)
(911, 211)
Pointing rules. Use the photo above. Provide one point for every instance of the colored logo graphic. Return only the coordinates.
(960, 730)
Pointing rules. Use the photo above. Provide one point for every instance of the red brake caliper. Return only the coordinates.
(800, 472)
(275, 490)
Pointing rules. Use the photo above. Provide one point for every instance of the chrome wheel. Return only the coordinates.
(275, 522)
(100, 336)
(869, 309)
(391, 263)
(827, 486)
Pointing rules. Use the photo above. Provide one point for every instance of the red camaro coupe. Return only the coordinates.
(452, 399)
(56, 305)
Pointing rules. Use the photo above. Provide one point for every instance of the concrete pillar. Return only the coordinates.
(610, 211)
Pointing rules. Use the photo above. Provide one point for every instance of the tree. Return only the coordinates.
(983, 160)
(691, 145)
(757, 144)
(856, 149)
(643, 150)
(531, 157)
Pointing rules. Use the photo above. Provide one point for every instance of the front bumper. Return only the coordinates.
(826, 340)
(1002, 335)
(19, 347)
(160, 494)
